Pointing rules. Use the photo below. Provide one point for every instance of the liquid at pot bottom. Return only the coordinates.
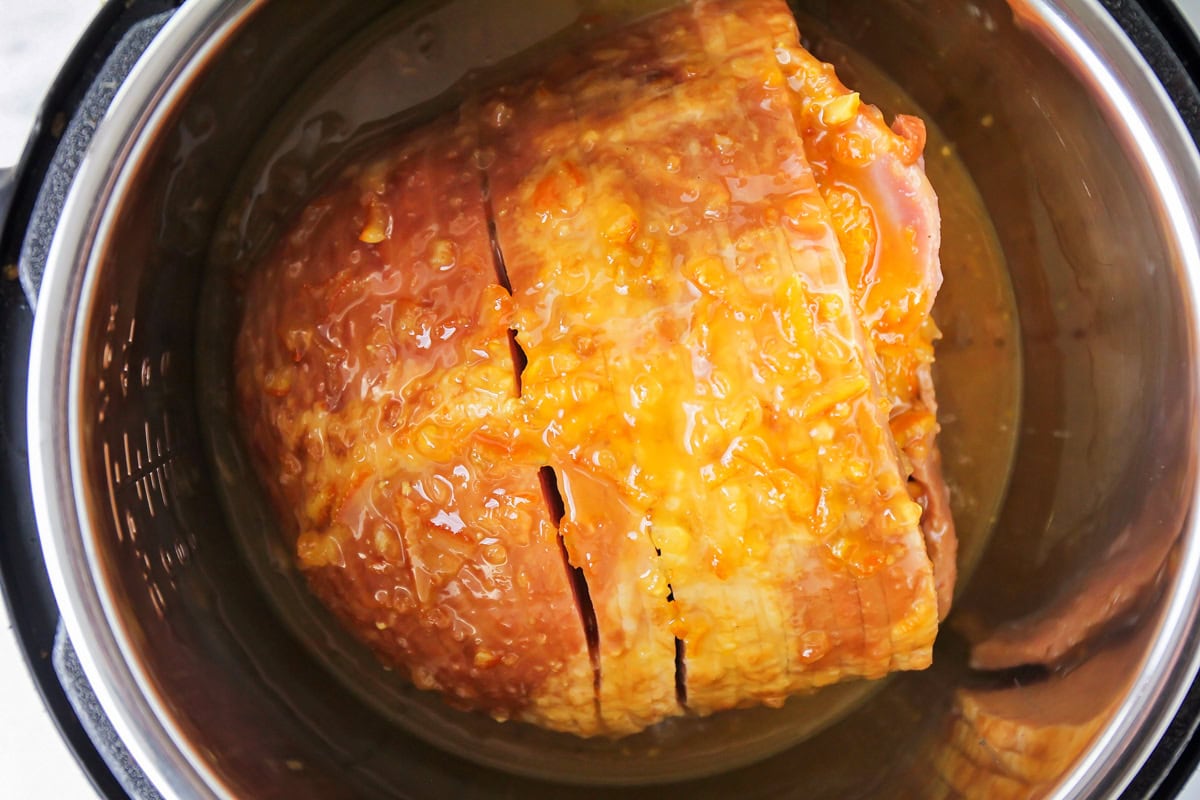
(402, 69)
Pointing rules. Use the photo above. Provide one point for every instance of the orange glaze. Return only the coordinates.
(672, 257)
(886, 215)
(417, 511)
(699, 378)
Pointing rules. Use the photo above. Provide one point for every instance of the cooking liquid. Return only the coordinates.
(406, 68)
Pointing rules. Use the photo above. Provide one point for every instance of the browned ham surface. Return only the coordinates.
(381, 396)
(590, 404)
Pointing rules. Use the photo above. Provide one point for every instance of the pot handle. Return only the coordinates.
(59, 148)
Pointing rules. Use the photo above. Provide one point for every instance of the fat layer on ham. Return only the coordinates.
(606, 398)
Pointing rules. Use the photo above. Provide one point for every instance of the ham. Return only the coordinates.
(872, 178)
(376, 381)
(580, 404)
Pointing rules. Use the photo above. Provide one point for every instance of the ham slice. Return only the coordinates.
(575, 401)
(885, 212)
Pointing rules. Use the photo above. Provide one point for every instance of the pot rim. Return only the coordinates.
(193, 35)
(1162, 150)
(1080, 32)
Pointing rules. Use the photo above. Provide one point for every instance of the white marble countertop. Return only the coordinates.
(35, 37)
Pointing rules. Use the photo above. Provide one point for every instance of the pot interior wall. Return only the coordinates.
(1106, 422)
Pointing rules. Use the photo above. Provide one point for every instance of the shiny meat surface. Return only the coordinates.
(873, 181)
(379, 391)
(581, 405)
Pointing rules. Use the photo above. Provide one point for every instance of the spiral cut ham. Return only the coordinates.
(606, 398)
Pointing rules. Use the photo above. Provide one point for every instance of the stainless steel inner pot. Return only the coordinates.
(1090, 178)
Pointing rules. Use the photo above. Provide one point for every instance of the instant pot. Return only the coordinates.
(171, 674)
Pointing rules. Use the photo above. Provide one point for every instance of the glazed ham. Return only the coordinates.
(606, 398)
(380, 401)
(872, 179)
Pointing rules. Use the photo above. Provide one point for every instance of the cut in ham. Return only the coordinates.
(588, 406)
(377, 383)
